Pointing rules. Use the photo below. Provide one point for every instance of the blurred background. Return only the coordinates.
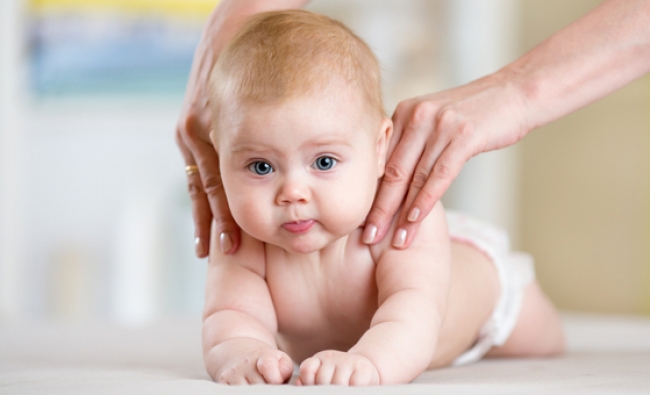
(95, 220)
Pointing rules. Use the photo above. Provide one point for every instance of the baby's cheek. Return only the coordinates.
(350, 208)
(250, 215)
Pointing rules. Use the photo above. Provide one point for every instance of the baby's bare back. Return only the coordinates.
(331, 305)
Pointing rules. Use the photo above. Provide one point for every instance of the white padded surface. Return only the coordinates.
(607, 355)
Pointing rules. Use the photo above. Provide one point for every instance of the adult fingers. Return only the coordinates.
(408, 221)
(226, 227)
(208, 164)
(399, 170)
(446, 168)
(201, 212)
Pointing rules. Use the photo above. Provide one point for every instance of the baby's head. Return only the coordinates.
(299, 127)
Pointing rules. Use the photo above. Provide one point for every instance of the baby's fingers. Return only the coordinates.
(342, 375)
(241, 376)
(308, 369)
(275, 370)
(363, 377)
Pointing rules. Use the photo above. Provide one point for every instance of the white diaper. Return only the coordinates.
(515, 271)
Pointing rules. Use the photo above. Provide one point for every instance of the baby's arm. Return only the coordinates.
(413, 287)
(239, 322)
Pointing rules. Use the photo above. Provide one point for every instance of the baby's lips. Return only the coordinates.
(299, 226)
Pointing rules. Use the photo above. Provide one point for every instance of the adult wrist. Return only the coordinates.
(523, 93)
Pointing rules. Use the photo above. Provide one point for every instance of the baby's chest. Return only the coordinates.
(316, 302)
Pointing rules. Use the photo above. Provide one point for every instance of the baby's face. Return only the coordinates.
(302, 173)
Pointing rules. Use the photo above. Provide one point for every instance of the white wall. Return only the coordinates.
(483, 37)
(11, 159)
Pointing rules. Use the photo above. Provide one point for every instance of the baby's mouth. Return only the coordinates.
(299, 227)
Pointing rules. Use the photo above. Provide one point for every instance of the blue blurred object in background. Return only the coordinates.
(113, 46)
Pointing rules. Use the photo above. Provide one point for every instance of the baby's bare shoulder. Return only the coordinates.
(250, 254)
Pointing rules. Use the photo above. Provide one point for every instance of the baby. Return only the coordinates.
(302, 136)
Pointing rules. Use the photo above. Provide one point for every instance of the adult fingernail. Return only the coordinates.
(400, 238)
(199, 246)
(369, 234)
(225, 242)
(414, 214)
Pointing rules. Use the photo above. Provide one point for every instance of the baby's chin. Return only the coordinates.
(314, 240)
(303, 245)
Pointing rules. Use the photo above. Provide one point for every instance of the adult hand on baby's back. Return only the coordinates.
(267, 366)
(339, 368)
(434, 135)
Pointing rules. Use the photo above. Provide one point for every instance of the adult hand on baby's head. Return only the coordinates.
(267, 366)
(203, 176)
(339, 368)
(434, 135)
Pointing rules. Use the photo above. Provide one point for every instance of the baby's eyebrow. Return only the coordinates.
(250, 148)
(329, 141)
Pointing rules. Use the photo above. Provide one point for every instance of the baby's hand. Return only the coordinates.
(336, 367)
(264, 366)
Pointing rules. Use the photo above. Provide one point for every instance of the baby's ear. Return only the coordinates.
(385, 133)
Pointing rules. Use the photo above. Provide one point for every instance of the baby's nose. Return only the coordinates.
(293, 191)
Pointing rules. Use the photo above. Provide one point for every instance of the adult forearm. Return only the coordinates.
(594, 56)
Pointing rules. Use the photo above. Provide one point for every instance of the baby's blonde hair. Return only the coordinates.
(280, 55)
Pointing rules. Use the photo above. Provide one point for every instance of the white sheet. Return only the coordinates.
(606, 355)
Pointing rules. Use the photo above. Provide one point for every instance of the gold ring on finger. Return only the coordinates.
(191, 169)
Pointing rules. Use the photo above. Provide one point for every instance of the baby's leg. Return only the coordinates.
(538, 331)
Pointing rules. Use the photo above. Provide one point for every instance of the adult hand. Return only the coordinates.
(434, 135)
(192, 136)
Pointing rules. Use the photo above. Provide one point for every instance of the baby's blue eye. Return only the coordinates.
(260, 168)
(325, 163)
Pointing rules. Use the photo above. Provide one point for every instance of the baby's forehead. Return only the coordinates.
(333, 101)
(308, 121)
